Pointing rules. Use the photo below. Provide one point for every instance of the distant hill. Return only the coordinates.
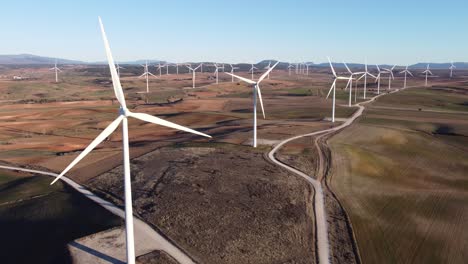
(24, 59)
(34, 59)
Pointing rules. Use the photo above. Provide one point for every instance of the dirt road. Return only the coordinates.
(322, 241)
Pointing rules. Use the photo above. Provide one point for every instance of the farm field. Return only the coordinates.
(401, 176)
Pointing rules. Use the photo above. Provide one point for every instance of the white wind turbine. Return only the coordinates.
(290, 66)
(118, 68)
(252, 70)
(427, 72)
(216, 72)
(146, 74)
(307, 67)
(193, 73)
(232, 71)
(124, 114)
(256, 89)
(333, 87)
(390, 76)
(350, 83)
(56, 69)
(377, 79)
(267, 68)
(406, 72)
(452, 67)
(365, 74)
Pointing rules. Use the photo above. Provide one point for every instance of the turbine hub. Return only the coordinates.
(124, 112)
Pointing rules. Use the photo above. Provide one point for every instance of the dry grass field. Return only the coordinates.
(401, 174)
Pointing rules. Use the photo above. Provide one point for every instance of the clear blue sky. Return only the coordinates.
(394, 31)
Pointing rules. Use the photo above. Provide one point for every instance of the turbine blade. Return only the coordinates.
(346, 65)
(261, 100)
(115, 77)
(267, 72)
(162, 122)
(331, 88)
(152, 74)
(242, 78)
(331, 66)
(104, 134)
(142, 75)
(410, 73)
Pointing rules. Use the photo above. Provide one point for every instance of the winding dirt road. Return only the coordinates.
(322, 242)
(144, 234)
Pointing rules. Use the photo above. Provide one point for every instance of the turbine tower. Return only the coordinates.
(146, 74)
(406, 72)
(333, 87)
(124, 114)
(427, 72)
(256, 89)
(56, 69)
(193, 73)
(452, 67)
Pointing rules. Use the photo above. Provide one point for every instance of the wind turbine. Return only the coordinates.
(124, 114)
(427, 72)
(366, 73)
(216, 72)
(307, 67)
(56, 71)
(452, 67)
(193, 73)
(252, 69)
(290, 66)
(146, 74)
(333, 87)
(406, 72)
(390, 76)
(267, 68)
(118, 68)
(232, 71)
(256, 88)
(350, 84)
(377, 79)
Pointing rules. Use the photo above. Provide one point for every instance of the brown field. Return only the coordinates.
(401, 175)
(219, 199)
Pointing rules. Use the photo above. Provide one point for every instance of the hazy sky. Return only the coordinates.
(396, 31)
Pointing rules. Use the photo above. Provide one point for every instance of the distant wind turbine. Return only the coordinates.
(350, 84)
(390, 76)
(256, 89)
(427, 72)
(216, 72)
(406, 72)
(56, 69)
(267, 68)
(333, 87)
(118, 68)
(290, 66)
(232, 71)
(252, 70)
(193, 73)
(146, 74)
(366, 73)
(452, 67)
(124, 114)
